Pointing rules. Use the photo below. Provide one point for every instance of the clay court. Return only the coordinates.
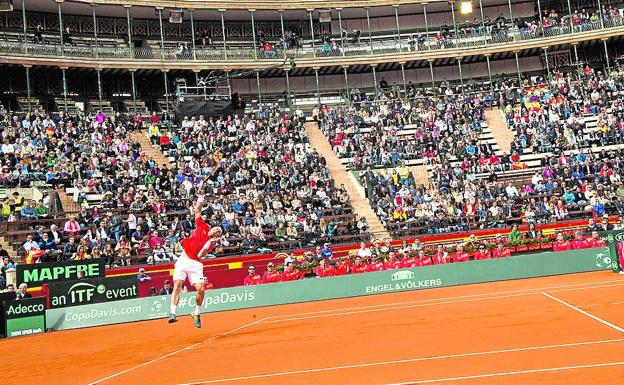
(555, 330)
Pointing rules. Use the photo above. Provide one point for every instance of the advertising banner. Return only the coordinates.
(47, 272)
(91, 290)
(615, 242)
(524, 266)
(24, 317)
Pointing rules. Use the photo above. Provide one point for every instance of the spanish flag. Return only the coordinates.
(33, 256)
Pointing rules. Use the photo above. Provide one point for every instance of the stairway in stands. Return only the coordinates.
(67, 201)
(498, 127)
(150, 151)
(339, 173)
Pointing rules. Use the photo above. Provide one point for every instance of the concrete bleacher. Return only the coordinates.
(485, 137)
(307, 104)
(105, 106)
(71, 108)
(35, 104)
(141, 106)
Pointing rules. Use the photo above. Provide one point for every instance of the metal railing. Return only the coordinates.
(476, 37)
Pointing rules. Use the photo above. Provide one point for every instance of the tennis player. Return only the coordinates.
(201, 242)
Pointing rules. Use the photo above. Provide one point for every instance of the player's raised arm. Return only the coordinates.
(199, 206)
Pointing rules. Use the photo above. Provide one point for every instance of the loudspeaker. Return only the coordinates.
(176, 15)
(6, 5)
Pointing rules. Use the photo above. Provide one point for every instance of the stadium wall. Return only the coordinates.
(525, 266)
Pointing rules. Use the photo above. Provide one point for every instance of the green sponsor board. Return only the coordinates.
(24, 317)
(47, 272)
(526, 266)
(25, 326)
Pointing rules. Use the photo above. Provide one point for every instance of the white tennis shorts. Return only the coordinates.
(187, 267)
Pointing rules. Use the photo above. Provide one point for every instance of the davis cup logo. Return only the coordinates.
(603, 261)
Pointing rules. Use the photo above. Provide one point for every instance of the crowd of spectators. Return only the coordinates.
(551, 117)
(444, 132)
(399, 129)
(266, 187)
(382, 139)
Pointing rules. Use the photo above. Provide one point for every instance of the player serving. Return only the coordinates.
(201, 242)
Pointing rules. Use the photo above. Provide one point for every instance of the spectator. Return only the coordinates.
(514, 235)
(440, 257)
(271, 275)
(252, 278)
(376, 265)
(359, 266)
(166, 289)
(30, 244)
(290, 273)
(501, 251)
(143, 276)
(460, 255)
(363, 252)
(595, 240)
(4, 255)
(22, 292)
(327, 252)
(70, 249)
(71, 227)
(561, 244)
(482, 253)
(579, 242)
(324, 269)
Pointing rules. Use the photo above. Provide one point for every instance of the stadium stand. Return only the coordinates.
(109, 169)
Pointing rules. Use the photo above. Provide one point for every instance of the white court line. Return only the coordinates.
(607, 323)
(407, 360)
(175, 352)
(414, 304)
(577, 286)
(500, 374)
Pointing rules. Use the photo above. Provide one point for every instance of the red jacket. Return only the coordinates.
(591, 242)
(255, 279)
(326, 271)
(271, 277)
(392, 265)
(291, 275)
(461, 256)
(375, 266)
(561, 246)
(342, 267)
(579, 244)
(357, 269)
(409, 262)
(439, 258)
(501, 253)
(479, 255)
(426, 261)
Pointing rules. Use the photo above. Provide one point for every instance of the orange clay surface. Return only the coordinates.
(495, 333)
